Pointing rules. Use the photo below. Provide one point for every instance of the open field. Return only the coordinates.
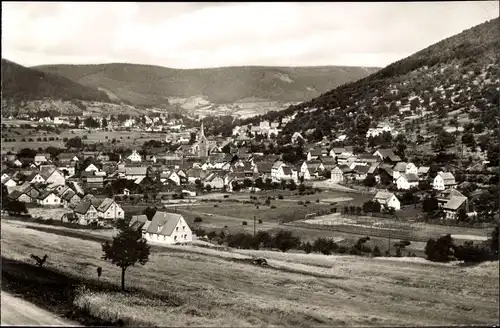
(299, 290)
(22, 138)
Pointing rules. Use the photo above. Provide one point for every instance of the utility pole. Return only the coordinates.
(254, 225)
(389, 241)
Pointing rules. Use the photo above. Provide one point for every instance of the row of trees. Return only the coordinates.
(444, 249)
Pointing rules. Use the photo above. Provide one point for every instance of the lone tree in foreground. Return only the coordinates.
(127, 249)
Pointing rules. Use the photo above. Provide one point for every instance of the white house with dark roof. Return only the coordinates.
(134, 173)
(109, 210)
(407, 181)
(86, 213)
(387, 200)
(166, 228)
(135, 157)
(444, 180)
(49, 198)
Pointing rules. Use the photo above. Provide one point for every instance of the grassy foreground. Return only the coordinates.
(183, 288)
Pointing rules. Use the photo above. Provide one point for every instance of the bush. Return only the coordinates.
(376, 251)
(300, 202)
(226, 196)
(215, 205)
(272, 206)
(260, 221)
(307, 247)
(333, 210)
(325, 246)
(317, 200)
(280, 196)
(244, 223)
(285, 240)
(439, 250)
(198, 219)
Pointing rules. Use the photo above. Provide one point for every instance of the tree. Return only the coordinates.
(370, 181)
(127, 249)
(430, 205)
(468, 140)
(14, 206)
(440, 250)
(444, 140)
(75, 142)
(376, 251)
(302, 188)
(77, 122)
(104, 123)
(494, 241)
(284, 240)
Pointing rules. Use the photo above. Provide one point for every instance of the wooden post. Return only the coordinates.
(254, 225)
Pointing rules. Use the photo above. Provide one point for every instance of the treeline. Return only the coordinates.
(444, 249)
(284, 241)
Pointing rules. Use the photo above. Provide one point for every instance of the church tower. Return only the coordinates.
(202, 142)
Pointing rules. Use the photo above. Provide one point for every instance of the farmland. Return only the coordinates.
(29, 138)
(205, 289)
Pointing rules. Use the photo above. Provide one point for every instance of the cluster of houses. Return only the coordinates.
(203, 164)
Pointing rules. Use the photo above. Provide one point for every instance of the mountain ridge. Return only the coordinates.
(154, 85)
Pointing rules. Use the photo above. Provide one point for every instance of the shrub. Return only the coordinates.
(198, 219)
(376, 251)
(215, 205)
(307, 247)
(333, 210)
(226, 196)
(300, 202)
(244, 223)
(317, 200)
(272, 206)
(260, 221)
(285, 240)
(439, 250)
(280, 196)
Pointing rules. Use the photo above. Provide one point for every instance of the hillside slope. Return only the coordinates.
(457, 76)
(153, 85)
(20, 83)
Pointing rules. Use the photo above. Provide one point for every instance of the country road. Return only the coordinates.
(18, 312)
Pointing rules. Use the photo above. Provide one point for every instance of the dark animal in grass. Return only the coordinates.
(39, 261)
(260, 261)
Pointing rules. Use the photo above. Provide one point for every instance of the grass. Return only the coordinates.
(179, 287)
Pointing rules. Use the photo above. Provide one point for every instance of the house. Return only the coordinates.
(453, 206)
(35, 178)
(91, 168)
(342, 159)
(110, 211)
(19, 196)
(9, 182)
(423, 172)
(296, 137)
(17, 163)
(276, 170)
(133, 173)
(86, 213)
(263, 168)
(387, 200)
(64, 158)
(48, 198)
(337, 174)
(70, 198)
(407, 181)
(284, 173)
(170, 176)
(214, 180)
(194, 174)
(310, 169)
(91, 180)
(387, 155)
(41, 158)
(314, 153)
(134, 157)
(126, 192)
(360, 172)
(167, 228)
(52, 176)
(444, 180)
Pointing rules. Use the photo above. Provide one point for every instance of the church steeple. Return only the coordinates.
(202, 131)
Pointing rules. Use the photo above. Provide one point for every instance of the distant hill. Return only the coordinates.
(456, 78)
(153, 85)
(21, 83)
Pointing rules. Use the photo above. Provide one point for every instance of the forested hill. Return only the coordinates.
(21, 83)
(154, 85)
(458, 76)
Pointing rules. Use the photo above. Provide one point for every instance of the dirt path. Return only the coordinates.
(18, 312)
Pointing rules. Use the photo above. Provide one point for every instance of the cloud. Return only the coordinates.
(188, 35)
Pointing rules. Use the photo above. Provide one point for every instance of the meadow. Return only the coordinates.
(178, 287)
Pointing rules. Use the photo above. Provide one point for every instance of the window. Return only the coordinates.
(175, 238)
(183, 228)
(177, 229)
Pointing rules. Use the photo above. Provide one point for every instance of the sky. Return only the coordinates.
(217, 34)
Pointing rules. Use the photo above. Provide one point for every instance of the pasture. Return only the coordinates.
(193, 286)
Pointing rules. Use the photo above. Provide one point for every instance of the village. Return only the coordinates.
(96, 188)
